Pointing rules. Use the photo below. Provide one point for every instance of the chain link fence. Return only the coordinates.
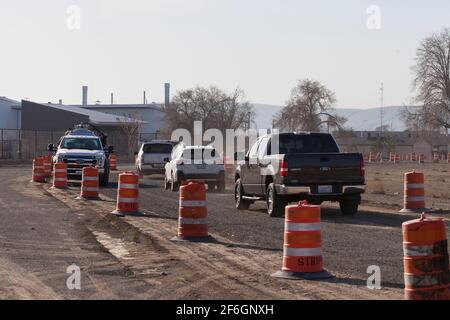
(27, 144)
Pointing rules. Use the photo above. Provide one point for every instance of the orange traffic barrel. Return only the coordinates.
(302, 253)
(192, 223)
(60, 175)
(38, 170)
(421, 158)
(89, 184)
(48, 166)
(435, 157)
(127, 194)
(425, 259)
(414, 192)
(113, 162)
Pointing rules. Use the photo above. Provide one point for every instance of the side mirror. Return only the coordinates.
(136, 153)
(246, 158)
(51, 147)
(110, 149)
(166, 160)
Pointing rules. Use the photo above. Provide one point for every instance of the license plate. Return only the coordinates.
(325, 189)
(201, 166)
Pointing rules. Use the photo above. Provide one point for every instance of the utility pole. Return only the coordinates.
(381, 106)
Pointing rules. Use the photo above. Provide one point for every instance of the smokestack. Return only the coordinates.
(112, 98)
(85, 96)
(60, 101)
(145, 98)
(166, 94)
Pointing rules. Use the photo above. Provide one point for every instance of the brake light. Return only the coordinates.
(362, 168)
(284, 171)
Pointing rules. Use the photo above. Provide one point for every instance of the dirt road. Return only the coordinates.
(45, 230)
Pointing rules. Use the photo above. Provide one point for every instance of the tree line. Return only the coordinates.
(310, 106)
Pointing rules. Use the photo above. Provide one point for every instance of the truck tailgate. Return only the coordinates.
(329, 168)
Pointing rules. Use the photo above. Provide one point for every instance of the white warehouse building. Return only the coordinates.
(9, 114)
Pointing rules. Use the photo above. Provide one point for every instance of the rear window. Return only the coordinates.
(199, 155)
(307, 144)
(158, 148)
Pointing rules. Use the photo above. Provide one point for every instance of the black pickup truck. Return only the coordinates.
(285, 167)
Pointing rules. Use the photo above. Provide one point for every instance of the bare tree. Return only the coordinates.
(131, 126)
(432, 83)
(212, 106)
(304, 111)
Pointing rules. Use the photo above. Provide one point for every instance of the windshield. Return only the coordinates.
(81, 143)
(307, 144)
(158, 148)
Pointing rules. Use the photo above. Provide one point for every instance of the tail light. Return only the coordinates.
(284, 168)
(362, 168)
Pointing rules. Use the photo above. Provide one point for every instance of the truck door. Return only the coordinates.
(262, 166)
(250, 170)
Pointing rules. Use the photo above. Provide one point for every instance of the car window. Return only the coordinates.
(254, 150)
(307, 144)
(202, 155)
(157, 148)
(262, 147)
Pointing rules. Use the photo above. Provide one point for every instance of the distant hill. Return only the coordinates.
(358, 119)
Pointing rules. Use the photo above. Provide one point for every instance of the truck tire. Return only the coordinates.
(166, 183)
(240, 203)
(221, 185)
(275, 202)
(173, 185)
(349, 207)
(104, 179)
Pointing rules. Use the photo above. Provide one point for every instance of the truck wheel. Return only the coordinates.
(275, 202)
(241, 204)
(221, 186)
(166, 183)
(173, 185)
(349, 207)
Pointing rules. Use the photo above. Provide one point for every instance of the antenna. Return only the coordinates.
(381, 106)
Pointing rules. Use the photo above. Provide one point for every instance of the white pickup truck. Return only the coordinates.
(81, 148)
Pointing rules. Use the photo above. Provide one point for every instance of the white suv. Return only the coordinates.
(151, 156)
(194, 163)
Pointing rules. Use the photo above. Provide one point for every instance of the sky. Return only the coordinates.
(50, 48)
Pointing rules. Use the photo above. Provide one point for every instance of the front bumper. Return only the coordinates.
(151, 169)
(296, 190)
(74, 172)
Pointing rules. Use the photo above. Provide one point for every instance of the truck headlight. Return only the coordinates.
(99, 161)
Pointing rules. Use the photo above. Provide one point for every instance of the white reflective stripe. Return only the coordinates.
(38, 174)
(89, 178)
(61, 170)
(192, 203)
(128, 186)
(417, 251)
(422, 281)
(415, 185)
(89, 188)
(128, 200)
(60, 179)
(409, 198)
(290, 226)
(302, 252)
(39, 167)
(191, 221)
